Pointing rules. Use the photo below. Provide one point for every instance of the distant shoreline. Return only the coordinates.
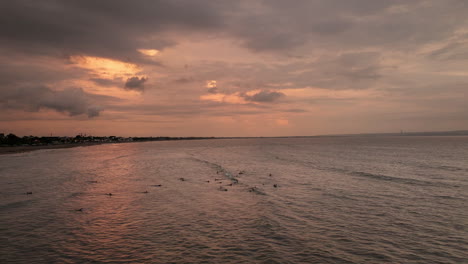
(12, 149)
(5, 150)
(22, 149)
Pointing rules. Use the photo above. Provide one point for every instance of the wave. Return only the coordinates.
(14, 205)
(448, 197)
(338, 196)
(390, 178)
(450, 168)
(444, 168)
(256, 190)
(229, 175)
(219, 169)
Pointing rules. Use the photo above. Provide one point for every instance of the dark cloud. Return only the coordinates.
(73, 101)
(135, 83)
(451, 51)
(259, 39)
(350, 70)
(281, 26)
(347, 70)
(295, 110)
(108, 28)
(190, 109)
(106, 82)
(213, 90)
(359, 66)
(184, 80)
(264, 96)
(25, 70)
(117, 28)
(332, 27)
(94, 111)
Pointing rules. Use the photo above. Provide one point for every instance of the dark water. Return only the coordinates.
(336, 200)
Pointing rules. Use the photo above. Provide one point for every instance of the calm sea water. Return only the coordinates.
(336, 200)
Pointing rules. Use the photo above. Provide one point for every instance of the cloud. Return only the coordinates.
(106, 82)
(73, 101)
(349, 70)
(211, 83)
(213, 90)
(212, 86)
(184, 80)
(451, 51)
(148, 52)
(94, 111)
(122, 30)
(295, 110)
(278, 26)
(264, 96)
(135, 83)
(303, 54)
(108, 28)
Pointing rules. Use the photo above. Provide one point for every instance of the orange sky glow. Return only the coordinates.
(252, 68)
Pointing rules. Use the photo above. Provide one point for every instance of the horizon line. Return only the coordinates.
(427, 133)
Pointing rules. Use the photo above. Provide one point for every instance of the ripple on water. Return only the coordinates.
(338, 200)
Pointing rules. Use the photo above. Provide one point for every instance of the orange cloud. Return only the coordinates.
(105, 68)
(224, 98)
(211, 84)
(149, 52)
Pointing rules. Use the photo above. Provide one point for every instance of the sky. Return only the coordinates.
(232, 68)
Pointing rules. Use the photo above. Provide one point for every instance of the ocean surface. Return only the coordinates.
(289, 200)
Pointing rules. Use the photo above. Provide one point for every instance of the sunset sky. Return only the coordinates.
(232, 68)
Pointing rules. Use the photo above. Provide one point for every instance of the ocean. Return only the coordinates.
(265, 200)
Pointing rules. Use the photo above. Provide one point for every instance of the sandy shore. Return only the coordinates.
(20, 149)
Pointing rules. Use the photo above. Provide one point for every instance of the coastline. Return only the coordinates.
(22, 149)
(5, 150)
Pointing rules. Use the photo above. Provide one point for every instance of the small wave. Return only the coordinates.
(256, 190)
(450, 168)
(390, 178)
(338, 196)
(447, 197)
(229, 175)
(443, 168)
(219, 168)
(14, 205)
(75, 194)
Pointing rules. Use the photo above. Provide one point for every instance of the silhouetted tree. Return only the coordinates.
(12, 139)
